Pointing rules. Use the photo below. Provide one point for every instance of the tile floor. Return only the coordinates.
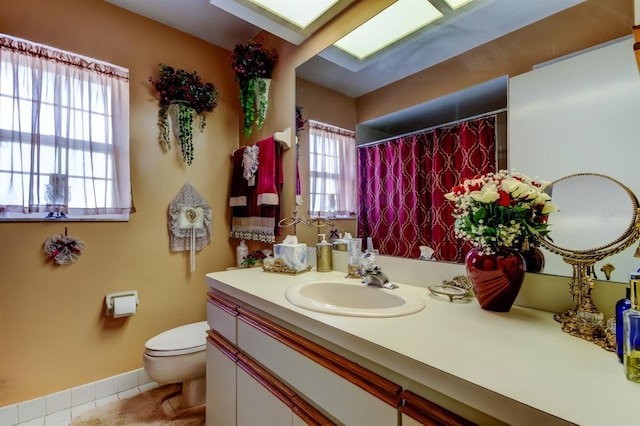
(59, 408)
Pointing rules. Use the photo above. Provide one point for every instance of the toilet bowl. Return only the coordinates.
(179, 356)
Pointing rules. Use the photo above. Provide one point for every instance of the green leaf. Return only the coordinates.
(480, 214)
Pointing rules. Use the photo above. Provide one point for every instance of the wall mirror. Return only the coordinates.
(548, 146)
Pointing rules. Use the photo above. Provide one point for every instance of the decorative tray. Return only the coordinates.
(279, 267)
(452, 292)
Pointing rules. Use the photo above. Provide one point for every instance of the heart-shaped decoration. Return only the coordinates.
(191, 215)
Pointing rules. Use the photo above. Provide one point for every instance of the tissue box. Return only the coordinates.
(293, 255)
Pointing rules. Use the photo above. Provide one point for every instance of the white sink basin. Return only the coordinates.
(353, 299)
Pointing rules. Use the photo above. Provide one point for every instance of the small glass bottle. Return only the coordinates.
(631, 329)
(621, 306)
(242, 251)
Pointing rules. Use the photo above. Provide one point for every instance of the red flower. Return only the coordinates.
(504, 200)
(476, 187)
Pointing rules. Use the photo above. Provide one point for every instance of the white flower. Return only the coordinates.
(487, 194)
(549, 208)
(500, 209)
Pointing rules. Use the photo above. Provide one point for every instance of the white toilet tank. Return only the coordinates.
(181, 340)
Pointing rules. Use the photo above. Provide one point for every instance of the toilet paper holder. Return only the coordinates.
(110, 299)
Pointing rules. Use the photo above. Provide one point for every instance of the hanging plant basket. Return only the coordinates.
(182, 97)
(253, 64)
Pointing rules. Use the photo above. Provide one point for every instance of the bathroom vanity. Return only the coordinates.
(272, 362)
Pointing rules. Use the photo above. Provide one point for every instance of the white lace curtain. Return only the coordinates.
(332, 170)
(64, 132)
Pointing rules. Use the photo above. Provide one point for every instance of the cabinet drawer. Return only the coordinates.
(221, 316)
(348, 402)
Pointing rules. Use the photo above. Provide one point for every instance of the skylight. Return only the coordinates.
(299, 13)
(455, 4)
(392, 24)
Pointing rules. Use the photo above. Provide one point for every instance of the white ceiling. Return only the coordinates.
(473, 25)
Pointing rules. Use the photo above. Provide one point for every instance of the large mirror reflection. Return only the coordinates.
(551, 132)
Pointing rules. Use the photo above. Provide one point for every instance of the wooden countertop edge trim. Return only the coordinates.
(428, 413)
(222, 303)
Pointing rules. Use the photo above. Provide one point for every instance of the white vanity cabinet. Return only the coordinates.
(239, 390)
(491, 368)
(265, 374)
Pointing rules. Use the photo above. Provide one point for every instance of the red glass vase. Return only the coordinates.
(496, 279)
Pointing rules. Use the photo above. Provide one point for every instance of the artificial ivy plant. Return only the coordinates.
(252, 64)
(182, 96)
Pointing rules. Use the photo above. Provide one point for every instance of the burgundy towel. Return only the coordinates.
(253, 221)
(238, 195)
(268, 173)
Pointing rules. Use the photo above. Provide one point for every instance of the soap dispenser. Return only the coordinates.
(242, 251)
(631, 330)
(323, 254)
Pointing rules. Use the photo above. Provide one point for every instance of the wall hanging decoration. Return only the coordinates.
(63, 249)
(253, 64)
(182, 97)
(499, 213)
(189, 223)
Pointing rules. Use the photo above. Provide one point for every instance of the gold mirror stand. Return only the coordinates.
(585, 320)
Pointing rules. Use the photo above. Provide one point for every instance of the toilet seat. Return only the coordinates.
(181, 340)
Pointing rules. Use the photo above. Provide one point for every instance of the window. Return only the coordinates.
(332, 171)
(64, 135)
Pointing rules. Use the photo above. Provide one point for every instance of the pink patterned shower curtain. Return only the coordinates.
(402, 183)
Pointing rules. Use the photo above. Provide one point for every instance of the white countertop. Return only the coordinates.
(517, 366)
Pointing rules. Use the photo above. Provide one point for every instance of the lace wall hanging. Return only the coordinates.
(189, 223)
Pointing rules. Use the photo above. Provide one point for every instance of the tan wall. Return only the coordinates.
(53, 331)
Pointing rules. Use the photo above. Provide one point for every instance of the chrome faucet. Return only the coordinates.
(375, 277)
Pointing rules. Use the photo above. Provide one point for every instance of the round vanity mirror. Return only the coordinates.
(596, 218)
(594, 212)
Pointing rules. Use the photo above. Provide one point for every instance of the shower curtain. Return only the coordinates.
(402, 183)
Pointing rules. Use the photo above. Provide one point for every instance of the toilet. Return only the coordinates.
(179, 356)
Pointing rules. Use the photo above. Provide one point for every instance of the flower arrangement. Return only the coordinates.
(191, 96)
(252, 63)
(502, 210)
(254, 258)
